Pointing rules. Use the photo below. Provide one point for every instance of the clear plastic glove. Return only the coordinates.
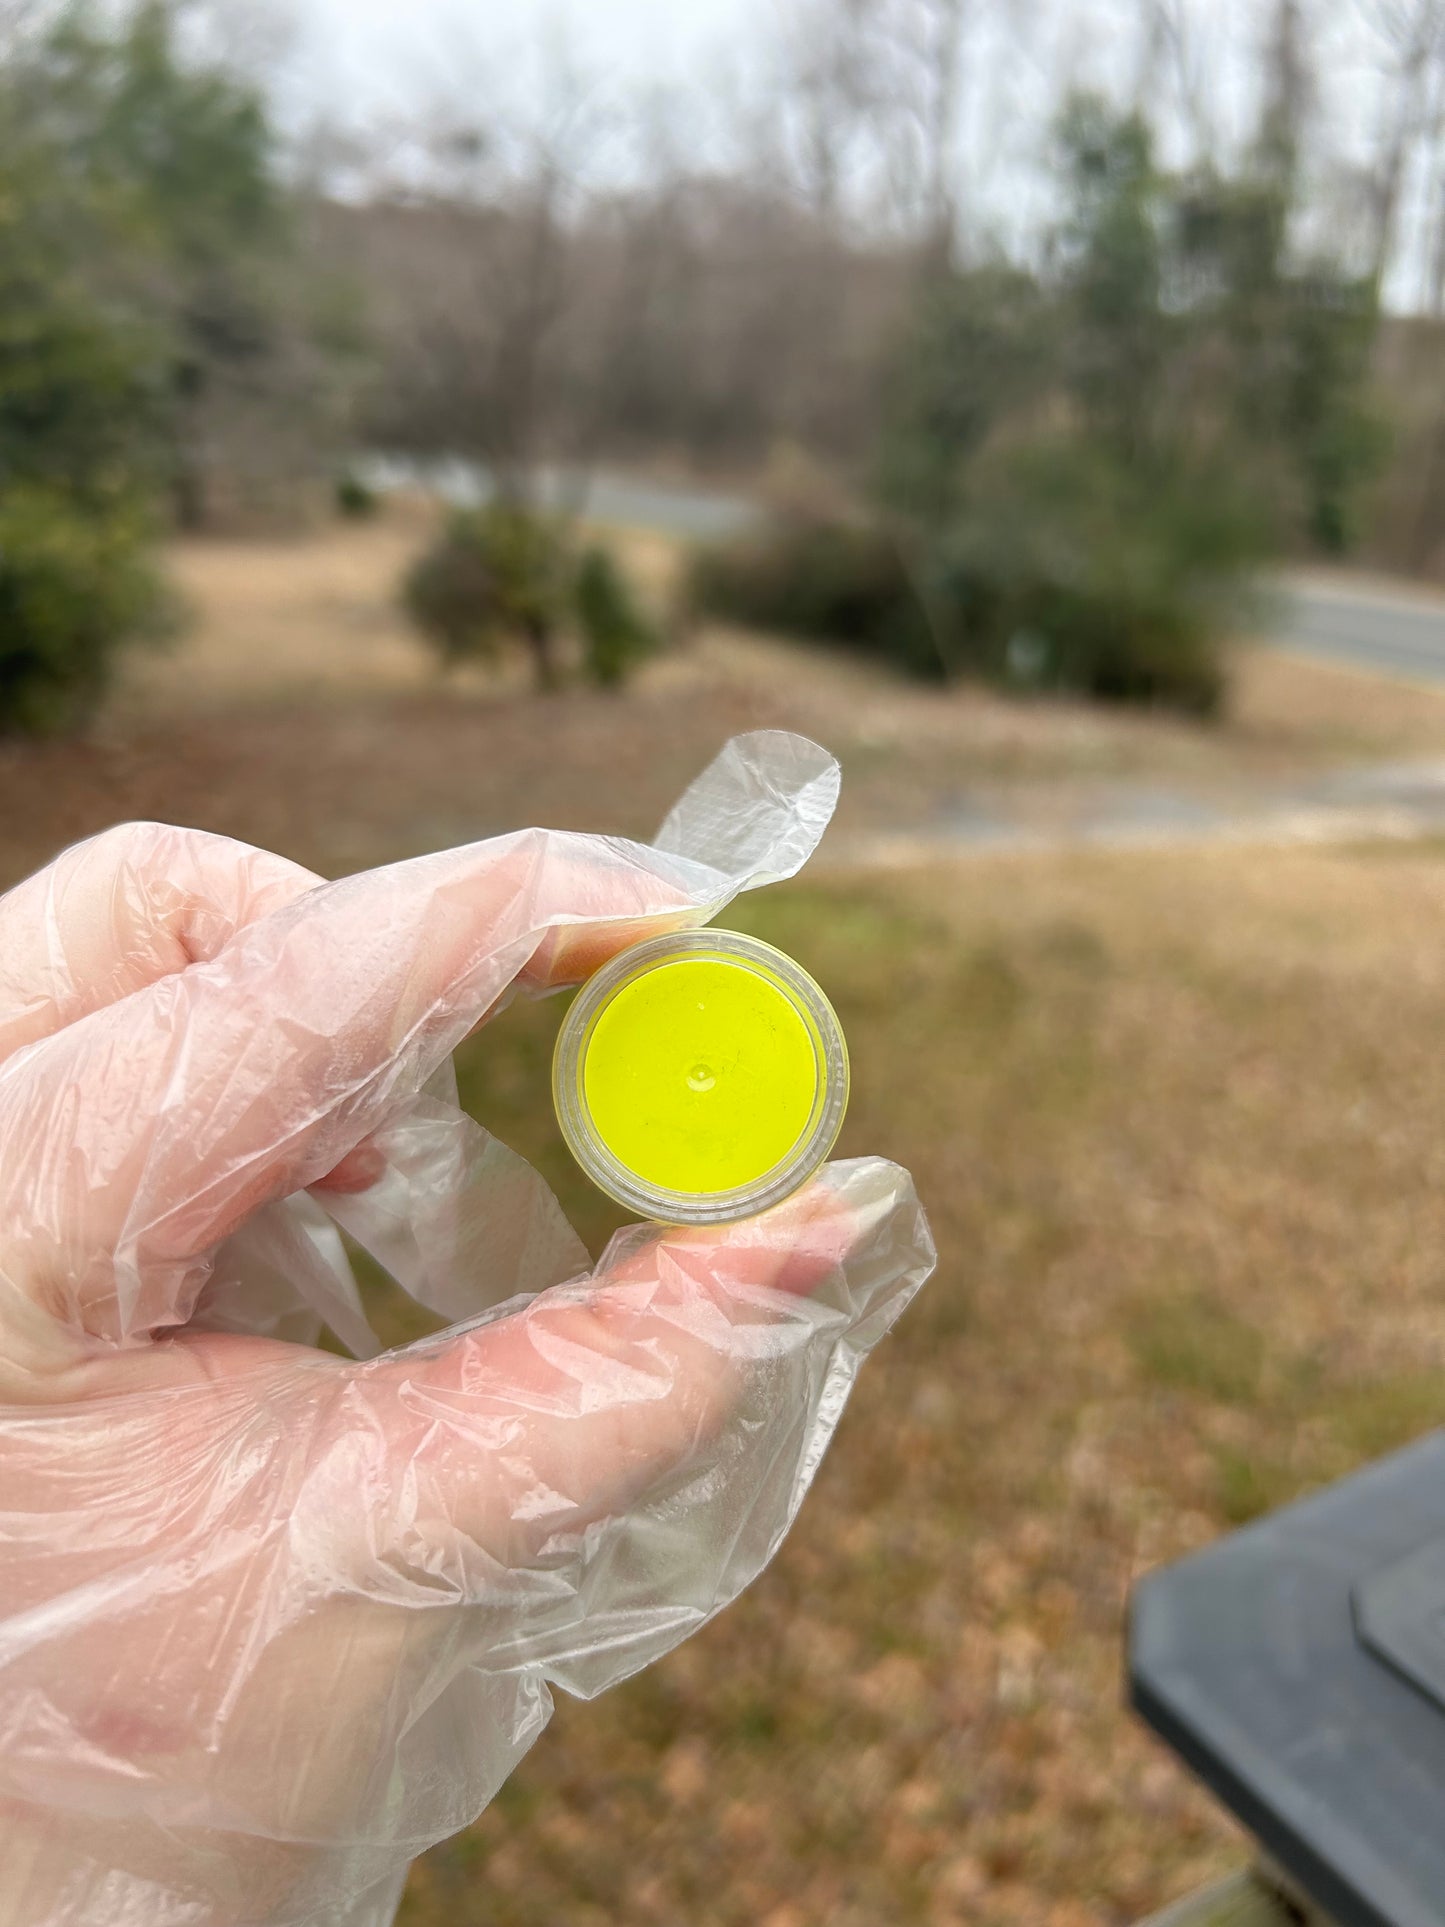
(273, 1622)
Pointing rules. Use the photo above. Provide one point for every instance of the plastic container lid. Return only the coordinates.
(701, 1078)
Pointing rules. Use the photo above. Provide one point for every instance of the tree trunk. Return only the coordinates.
(541, 640)
(941, 121)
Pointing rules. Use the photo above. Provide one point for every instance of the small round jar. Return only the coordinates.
(701, 1078)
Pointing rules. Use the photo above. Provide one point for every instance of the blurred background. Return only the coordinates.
(420, 422)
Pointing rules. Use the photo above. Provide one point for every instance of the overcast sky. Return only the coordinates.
(363, 61)
(386, 50)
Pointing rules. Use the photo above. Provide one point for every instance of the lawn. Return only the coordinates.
(1175, 1115)
(1179, 1139)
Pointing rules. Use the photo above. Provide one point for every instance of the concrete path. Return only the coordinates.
(1397, 802)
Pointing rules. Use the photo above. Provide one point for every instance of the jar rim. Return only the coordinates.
(658, 1202)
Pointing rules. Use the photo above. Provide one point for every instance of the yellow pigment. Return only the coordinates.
(701, 1075)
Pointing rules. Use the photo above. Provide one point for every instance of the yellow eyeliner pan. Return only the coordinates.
(701, 1078)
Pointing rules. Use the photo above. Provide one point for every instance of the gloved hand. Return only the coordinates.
(273, 1622)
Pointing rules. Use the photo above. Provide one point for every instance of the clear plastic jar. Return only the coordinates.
(701, 1078)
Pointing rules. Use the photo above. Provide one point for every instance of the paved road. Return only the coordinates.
(1399, 632)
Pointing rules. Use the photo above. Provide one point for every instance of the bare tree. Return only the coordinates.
(632, 251)
(484, 231)
(1172, 60)
(927, 43)
(18, 20)
(1289, 92)
(838, 95)
(250, 37)
(1430, 170)
(943, 37)
(1411, 34)
(1435, 212)
(874, 93)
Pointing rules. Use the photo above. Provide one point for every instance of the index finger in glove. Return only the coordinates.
(147, 1132)
(122, 909)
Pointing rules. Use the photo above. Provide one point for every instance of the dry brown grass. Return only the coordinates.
(287, 617)
(319, 616)
(1317, 712)
(1178, 1132)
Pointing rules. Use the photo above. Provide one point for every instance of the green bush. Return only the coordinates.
(980, 347)
(1075, 572)
(506, 574)
(616, 635)
(356, 500)
(140, 220)
(840, 582)
(74, 587)
(450, 594)
(1069, 571)
(497, 574)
